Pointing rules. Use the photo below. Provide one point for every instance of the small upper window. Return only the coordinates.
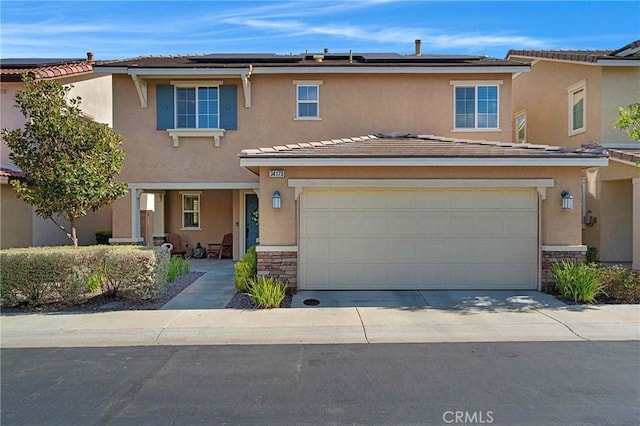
(307, 99)
(308, 102)
(476, 107)
(521, 128)
(577, 110)
(191, 211)
(197, 108)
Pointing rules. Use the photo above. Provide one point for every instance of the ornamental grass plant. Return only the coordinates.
(266, 293)
(577, 282)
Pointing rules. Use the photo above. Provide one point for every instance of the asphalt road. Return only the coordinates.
(462, 383)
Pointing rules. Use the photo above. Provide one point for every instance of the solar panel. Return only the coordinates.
(246, 57)
(36, 62)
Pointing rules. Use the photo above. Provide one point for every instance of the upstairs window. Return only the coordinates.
(577, 110)
(190, 211)
(197, 108)
(307, 100)
(521, 127)
(476, 106)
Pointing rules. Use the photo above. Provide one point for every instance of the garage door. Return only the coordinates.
(357, 239)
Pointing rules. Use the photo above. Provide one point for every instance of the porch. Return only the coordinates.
(198, 214)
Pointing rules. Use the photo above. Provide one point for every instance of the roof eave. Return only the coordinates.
(619, 62)
(201, 71)
(596, 161)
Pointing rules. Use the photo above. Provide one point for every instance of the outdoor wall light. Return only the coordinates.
(275, 200)
(567, 200)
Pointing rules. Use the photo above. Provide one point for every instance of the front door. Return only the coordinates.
(251, 219)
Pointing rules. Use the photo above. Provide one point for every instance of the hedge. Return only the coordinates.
(43, 275)
(246, 269)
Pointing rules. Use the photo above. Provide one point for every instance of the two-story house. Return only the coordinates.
(19, 225)
(571, 98)
(339, 206)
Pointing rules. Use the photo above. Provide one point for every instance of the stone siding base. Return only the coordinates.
(281, 265)
(549, 258)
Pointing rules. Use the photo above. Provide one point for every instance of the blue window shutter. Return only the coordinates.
(229, 107)
(164, 107)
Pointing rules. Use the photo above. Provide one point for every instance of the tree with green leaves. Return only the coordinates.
(69, 162)
(629, 120)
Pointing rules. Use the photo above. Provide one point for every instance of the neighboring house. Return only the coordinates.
(20, 226)
(571, 98)
(335, 212)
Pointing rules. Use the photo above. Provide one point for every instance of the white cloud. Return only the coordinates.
(432, 39)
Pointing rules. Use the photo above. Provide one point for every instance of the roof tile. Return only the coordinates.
(426, 146)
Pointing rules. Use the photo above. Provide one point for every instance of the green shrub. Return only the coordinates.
(139, 274)
(102, 237)
(52, 274)
(246, 269)
(266, 292)
(177, 266)
(620, 285)
(576, 281)
(592, 254)
(47, 274)
(251, 257)
(242, 276)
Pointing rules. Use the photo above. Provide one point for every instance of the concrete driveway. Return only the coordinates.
(414, 299)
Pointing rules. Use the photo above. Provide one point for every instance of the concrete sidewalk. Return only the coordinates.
(327, 325)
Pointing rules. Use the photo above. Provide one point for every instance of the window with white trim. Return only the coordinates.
(577, 108)
(476, 107)
(197, 107)
(190, 211)
(521, 127)
(307, 101)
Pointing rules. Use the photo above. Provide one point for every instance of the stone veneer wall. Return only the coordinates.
(282, 265)
(549, 257)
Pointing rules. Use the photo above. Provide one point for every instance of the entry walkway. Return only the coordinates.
(213, 290)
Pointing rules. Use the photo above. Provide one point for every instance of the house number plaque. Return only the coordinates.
(276, 173)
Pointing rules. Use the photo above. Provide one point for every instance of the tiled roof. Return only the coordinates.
(417, 146)
(306, 60)
(627, 154)
(13, 72)
(624, 53)
(7, 173)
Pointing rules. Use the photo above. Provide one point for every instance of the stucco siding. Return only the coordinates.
(12, 118)
(216, 216)
(620, 87)
(95, 92)
(350, 105)
(559, 227)
(542, 93)
(46, 233)
(15, 220)
(617, 219)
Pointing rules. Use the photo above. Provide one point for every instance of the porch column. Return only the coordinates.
(135, 213)
(636, 224)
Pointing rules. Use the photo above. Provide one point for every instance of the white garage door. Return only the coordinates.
(356, 239)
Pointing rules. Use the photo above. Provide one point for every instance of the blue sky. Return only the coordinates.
(132, 28)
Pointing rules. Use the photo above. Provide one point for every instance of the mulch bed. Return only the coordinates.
(242, 301)
(102, 303)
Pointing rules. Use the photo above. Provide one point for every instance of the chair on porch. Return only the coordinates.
(179, 249)
(225, 248)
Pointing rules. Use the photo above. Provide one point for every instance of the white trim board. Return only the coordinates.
(540, 185)
(193, 185)
(394, 162)
(577, 248)
(237, 72)
(421, 183)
